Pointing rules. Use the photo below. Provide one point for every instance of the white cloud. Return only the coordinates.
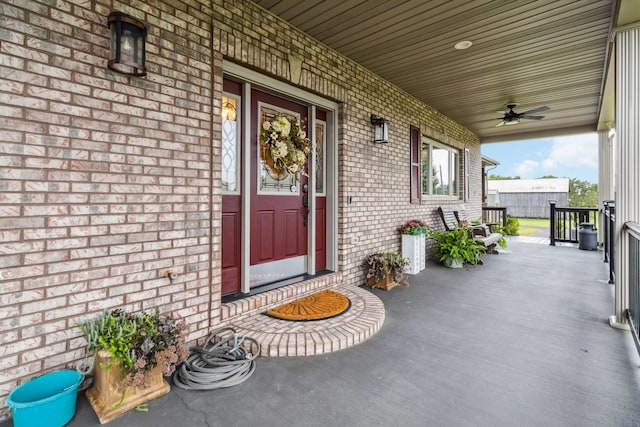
(526, 168)
(574, 151)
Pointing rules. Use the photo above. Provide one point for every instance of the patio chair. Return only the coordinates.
(456, 216)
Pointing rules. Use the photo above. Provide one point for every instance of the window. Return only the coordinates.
(272, 180)
(440, 168)
(230, 144)
(321, 147)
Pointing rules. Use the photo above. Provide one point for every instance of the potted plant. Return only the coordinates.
(414, 235)
(455, 247)
(385, 270)
(415, 227)
(132, 353)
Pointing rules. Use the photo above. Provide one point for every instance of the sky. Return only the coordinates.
(572, 156)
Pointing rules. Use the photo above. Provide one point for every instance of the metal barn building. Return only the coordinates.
(529, 198)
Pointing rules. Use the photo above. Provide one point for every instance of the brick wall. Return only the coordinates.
(376, 176)
(107, 181)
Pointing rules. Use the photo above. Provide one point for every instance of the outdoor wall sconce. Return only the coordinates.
(127, 51)
(381, 126)
(228, 111)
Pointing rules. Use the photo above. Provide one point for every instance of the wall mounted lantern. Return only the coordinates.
(381, 133)
(127, 51)
(228, 110)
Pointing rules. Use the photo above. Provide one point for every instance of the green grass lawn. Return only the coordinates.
(531, 226)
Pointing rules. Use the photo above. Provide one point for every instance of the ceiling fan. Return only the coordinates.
(513, 118)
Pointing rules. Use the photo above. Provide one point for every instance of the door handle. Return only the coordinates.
(305, 201)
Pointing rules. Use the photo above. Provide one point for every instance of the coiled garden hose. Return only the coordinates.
(220, 364)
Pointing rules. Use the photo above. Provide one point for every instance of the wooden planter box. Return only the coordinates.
(106, 395)
(387, 283)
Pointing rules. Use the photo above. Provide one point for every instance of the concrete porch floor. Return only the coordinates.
(522, 340)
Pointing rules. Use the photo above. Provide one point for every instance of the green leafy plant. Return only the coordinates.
(502, 242)
(457, 244)
(139, 341)
(397, 263)
(513, 225)
(380, 264)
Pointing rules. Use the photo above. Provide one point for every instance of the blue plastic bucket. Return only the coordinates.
(49, 400)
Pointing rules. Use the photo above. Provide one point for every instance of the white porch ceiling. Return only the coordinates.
(545, 52)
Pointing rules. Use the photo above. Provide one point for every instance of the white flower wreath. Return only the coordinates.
(286, 143)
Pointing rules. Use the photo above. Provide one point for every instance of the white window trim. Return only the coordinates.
(433, 143)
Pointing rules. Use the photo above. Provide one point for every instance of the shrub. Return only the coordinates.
(513, 225)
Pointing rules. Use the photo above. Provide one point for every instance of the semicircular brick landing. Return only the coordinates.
(280, 338)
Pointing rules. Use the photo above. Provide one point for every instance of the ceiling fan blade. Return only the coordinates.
(500, 123)
(536, 110)
(532, 117)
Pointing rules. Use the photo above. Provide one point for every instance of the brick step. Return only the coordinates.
(279, 338)
(233, 311)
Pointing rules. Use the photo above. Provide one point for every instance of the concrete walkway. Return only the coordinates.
(522, 340)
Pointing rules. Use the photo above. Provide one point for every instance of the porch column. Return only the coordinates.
(605, 174)
(627, 159)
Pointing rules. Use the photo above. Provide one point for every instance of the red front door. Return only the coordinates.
(278, 200)
(278, 214)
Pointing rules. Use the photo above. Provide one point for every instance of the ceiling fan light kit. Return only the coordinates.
(512, 118)
(465, 44)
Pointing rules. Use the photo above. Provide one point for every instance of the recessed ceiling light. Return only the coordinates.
(466, 44)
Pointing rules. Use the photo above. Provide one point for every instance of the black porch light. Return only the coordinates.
(127, 52)
(381, 125)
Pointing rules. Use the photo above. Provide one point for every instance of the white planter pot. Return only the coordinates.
(453, 263)
(423, 251)
(413, 248)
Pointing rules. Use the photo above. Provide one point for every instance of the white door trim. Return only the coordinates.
(245, 285)
(279, 88)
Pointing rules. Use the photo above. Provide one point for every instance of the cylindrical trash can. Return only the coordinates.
(587, 237)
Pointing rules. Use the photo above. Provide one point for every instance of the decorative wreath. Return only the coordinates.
(286, 144)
